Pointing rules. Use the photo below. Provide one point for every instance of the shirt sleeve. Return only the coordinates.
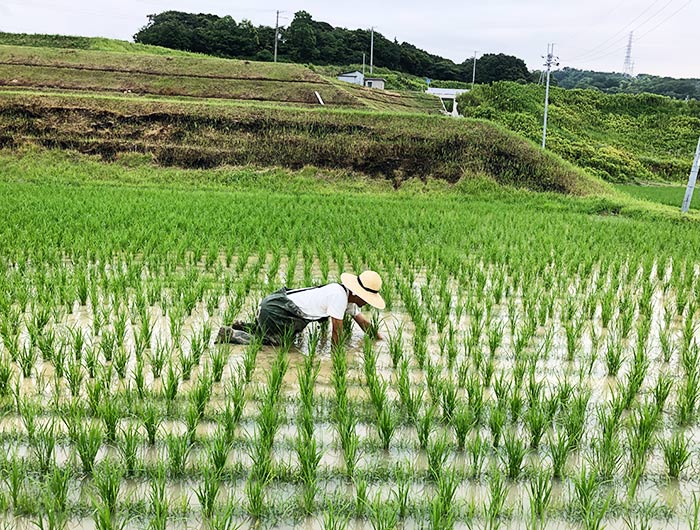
(352, 310)
(337, 303)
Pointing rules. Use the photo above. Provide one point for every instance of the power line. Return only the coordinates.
(616, 36)
(667, 18)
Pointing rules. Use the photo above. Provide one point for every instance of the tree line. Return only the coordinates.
(309, 41)
(617, 83)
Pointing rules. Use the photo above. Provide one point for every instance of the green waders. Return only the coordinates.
(277, 317)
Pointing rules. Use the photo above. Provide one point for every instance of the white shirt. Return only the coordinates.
(328, 301)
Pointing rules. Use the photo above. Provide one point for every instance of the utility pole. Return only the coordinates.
(371, 52)
(363, 65)
(277, 25)
(550, 61)
(691, 180)
(474, 70)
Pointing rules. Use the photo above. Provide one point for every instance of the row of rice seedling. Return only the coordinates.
(523, 378)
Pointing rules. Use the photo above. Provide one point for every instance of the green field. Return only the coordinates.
(540, 361)
(670, 195)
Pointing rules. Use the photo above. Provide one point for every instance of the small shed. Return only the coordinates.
(375, 82)
(356, 78)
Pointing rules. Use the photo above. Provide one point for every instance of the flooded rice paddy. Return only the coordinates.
(490, 401)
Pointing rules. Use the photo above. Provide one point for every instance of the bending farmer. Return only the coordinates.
(290, 311)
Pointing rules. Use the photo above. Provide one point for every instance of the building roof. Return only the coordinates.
(375, 79)
(351, 74)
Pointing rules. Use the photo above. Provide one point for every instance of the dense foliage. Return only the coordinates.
(614, 83)
(308, 41)
(622, 137)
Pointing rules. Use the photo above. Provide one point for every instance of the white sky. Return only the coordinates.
(588, 34)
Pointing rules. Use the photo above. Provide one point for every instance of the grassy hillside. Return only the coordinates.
(87, 43)
(192, 76)
(622, 137)
(392, 146)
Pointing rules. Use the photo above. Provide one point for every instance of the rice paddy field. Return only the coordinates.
(539, 366)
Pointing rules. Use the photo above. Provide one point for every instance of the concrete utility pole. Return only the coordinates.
(691, 180)
(371, 52)
(363, 65)
(277, 25)
(474, 70)
(550, 61)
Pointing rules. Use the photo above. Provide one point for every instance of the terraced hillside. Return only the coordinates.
(190, 76)
(387, 146)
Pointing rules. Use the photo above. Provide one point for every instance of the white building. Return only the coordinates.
(356, 78)
(375, 82)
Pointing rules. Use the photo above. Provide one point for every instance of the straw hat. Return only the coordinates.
(367, 286)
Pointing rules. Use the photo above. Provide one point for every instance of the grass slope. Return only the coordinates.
(392, 146)
(113, 69)
(621, 137)
(87, 43)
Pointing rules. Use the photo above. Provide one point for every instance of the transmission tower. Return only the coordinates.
(629, 65)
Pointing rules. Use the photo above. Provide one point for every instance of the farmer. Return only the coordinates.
(290, 311)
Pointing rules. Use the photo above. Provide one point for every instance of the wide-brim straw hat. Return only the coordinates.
(367, 286)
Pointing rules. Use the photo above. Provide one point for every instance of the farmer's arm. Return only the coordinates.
(337, 329)
(364, 324)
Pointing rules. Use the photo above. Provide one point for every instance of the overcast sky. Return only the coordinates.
(588, 34)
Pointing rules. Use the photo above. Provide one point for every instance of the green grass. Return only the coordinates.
(396, 147)
(119, 69)
(87, 43)
(670, 195)
(622, 137)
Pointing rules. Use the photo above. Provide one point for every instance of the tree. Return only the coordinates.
(301, 38)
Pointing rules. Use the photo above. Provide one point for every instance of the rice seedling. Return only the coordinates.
(493, 511)
(442, 511)
(688, 395)
(437, 453)
(676, 453)
(109, 411)
(208, 489)
(661, 391)
(614, 354)
(14, 476)
(335, 517)
(159, 505)
(43, 446)
(540, 492)
(513, 454)
(178, 449)
(128, 449)
(255, 497)
(27, 359)
(171, 383)
(396, 346)
(107, 480)
(88, 443)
